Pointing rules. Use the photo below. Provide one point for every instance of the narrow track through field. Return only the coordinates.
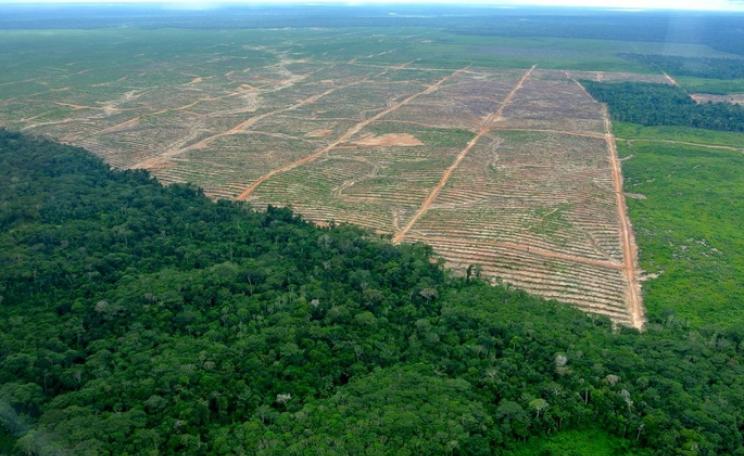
(153, 162)
(630, 251)
(486, 127)
(671, 80)
(348, 134)
(683, 143)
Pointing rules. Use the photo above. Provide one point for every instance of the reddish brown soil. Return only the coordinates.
(390, 139)
(630, 250)
(319, 133)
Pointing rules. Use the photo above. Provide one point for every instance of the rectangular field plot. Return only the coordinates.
(229, 163)
(554, 104)
(463, 102)
(537, 211)
(513, 170)
(377, 180)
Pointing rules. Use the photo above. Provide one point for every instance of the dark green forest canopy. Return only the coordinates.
(142, 319)
(661, 104)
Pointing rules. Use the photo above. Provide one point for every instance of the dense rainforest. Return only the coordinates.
(142, 319)
(661, 104)
(701, 67)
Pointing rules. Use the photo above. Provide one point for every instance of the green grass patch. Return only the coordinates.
(714, 86)
(635, 132)
(689, 226)
(580, 442)
(550, 219)
(40, 60)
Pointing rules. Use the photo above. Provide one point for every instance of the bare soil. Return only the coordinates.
(319, 133)
(390, 139)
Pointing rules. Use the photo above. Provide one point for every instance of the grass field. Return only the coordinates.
(584, 442)
(640, 134)
(108, 54)
(714, 86)
(688, 218)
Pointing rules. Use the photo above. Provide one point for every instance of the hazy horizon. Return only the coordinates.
(620, 5)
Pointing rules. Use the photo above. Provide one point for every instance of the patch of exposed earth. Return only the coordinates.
(389, 139)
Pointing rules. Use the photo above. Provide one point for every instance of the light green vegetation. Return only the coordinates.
(106, 61)
(586, 442)
(688, 227)
(714, 86)
(550, 220)
(638, 133)
(437, 48)
(49, 59)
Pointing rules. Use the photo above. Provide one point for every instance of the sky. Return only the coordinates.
(700, 5)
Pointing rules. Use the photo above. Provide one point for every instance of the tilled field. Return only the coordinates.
(511, 170)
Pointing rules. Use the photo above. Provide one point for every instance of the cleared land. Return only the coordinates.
(513, 170)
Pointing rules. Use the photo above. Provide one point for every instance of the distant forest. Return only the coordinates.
(142, 319)
(722, 32)
(661, 104)
(719, 31)
(692, 66)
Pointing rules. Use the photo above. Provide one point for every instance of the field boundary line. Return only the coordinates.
(684, 143)
(486, 126)
(585, 134)
(346, 136)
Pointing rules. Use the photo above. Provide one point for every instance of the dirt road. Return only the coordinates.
(671, 80)
(583, 134)
(684, 143)
(633, 296)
